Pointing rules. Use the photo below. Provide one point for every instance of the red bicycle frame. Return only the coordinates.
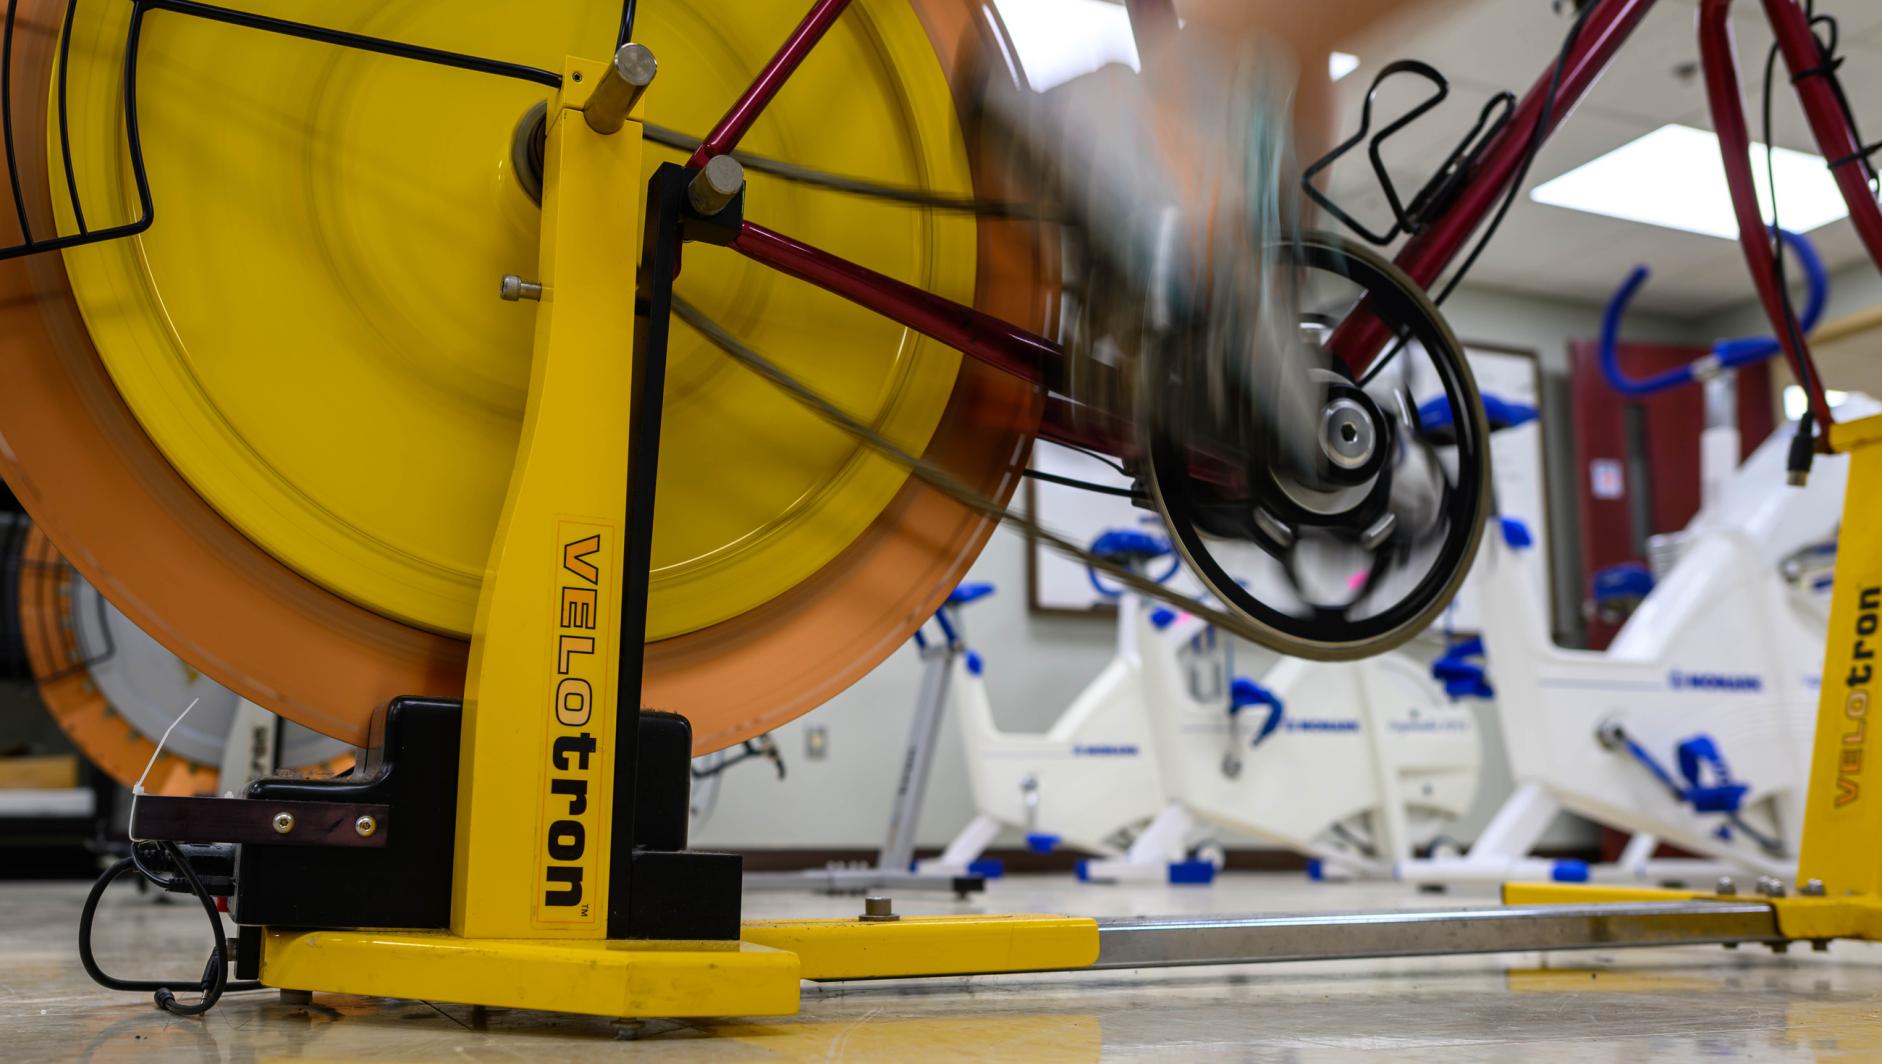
(1426, 255)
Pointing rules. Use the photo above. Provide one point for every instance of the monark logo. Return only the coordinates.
(1713, 681)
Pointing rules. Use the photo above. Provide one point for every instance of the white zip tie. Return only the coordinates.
(138, 787)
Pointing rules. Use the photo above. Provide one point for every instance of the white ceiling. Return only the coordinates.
(1485, 46)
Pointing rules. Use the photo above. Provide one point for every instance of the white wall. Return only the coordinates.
(1036, 664)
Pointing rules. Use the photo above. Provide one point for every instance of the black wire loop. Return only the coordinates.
(214, 981)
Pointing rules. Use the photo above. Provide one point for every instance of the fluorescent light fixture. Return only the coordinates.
(1673, 177)
(1796, 402)
(1058, 40)
(1340, 64)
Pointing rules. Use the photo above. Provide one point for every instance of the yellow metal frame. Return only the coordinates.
(530, 883)
(530, 870)
(1839, 867)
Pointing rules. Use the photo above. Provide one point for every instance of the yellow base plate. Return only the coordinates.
(932, 945)
(755, 977)
(594, 978)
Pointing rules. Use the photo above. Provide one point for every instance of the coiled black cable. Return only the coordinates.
(215, 978)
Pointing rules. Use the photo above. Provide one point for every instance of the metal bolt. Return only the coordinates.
(365, 825)
(1725, 887)
(1812, 888)
(514, 288)
(878, 910)
(1780, 947)
(1771, 886)
(1821, 945)
(283, 823)
(620, 88)
(714, 187)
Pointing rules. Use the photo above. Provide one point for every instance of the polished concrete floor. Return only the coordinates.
(1667, 1004)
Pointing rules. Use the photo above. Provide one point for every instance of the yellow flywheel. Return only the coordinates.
(276, 427)
(311, 333)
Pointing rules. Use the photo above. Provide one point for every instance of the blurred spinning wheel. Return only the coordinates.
(275, 428)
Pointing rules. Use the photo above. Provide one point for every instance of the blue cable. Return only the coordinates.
(1730, 354)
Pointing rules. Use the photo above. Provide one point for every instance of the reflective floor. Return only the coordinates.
(1670, 1004)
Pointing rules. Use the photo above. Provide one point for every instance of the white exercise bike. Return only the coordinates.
(1352, 765)
(1694, 727)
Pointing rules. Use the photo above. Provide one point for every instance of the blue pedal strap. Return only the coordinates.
(1245, 692)
(1723, 794)
(1461, 676)
(1696, 755)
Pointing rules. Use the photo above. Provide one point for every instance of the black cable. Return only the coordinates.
(627, 24)
(1537, 135)
(215, 978)
(1082, 485)
(1099, 455)
(1803, 443)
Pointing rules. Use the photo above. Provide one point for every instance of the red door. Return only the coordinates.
(1637, 460)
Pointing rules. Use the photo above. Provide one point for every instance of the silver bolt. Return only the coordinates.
(620, 88)
(1771, 886)
(365, 826)
(1346, 437)
(283, 823)
(1812, 888)
(1725, 887)
(514, 288)
(713, 188)
(879, 910)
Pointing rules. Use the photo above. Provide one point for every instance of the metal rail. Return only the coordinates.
(1165, 942)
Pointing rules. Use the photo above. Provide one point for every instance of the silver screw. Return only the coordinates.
(879, 910)
(283, 823)
(514, 288)
(713, 188)
(365, 826)
(1770, 886)
(1725, 887)
(1812, 888)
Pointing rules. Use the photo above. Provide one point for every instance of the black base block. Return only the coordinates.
(411, 767)
(686, 895)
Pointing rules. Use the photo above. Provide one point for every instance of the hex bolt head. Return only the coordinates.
(365, 826)
(1725, 887)
(514, 288)
(1771, 886)
(1812, 888)
(879, 910)
(283, 823)
(716, 185)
